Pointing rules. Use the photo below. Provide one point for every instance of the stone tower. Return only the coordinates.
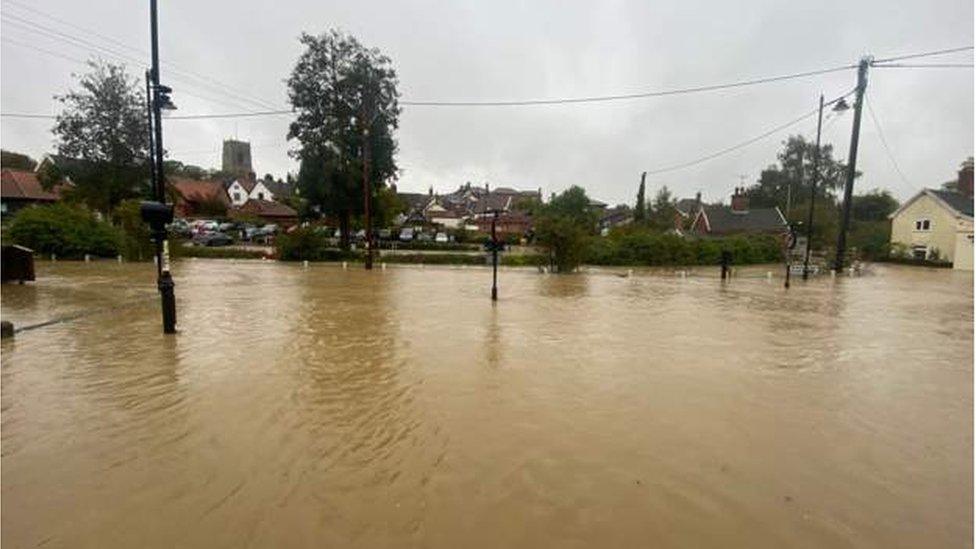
(237, 158)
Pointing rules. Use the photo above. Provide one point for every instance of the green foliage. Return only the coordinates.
(136, 242)
(663, 210)
(345, 100)
(189, 171)
(794, 174)
(104, 130)
(16, 161)
(875, 205)
(564, 225)
(632, 245)
(65, 230)
(640, 208)
(307, 243)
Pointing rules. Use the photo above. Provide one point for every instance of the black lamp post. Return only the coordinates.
(157, 213)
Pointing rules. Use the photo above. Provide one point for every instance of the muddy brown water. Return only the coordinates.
(399, 408)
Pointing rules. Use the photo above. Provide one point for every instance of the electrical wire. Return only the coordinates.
(923, 54)
(745, 143)
(887, 149)
(924, 66)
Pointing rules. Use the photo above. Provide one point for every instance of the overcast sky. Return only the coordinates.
(510, 50)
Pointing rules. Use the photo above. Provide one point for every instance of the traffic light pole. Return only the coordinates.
(164, 279)
(813, 193)
(862, 84)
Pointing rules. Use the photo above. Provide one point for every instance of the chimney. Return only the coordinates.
(486, 187)
(698, 199)
(740, 202)
(966, 178)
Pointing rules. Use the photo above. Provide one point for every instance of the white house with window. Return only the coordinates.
(239, 191)
(935, 224)
(260, 191)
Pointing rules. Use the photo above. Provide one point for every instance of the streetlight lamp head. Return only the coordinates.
(841, 106)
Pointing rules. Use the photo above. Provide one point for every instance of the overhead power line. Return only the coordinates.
(924, 66)
(924, 54)
(887, 149)
(745, 143)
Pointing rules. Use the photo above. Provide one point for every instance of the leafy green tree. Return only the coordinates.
(663, 210)
(793, 175)
(564, 226)
(345, 100)
(16, 161)
(189, 171)
(103, 127)
(640, 208)
(875, 205)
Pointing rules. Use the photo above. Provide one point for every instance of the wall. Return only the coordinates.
(942, 228)
(963, 255)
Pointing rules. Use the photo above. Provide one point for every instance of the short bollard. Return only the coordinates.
(119, 258)
(305, 264)
(344, 265)
(54, 257)
(383, 266)
(87, 258)
(6, 329)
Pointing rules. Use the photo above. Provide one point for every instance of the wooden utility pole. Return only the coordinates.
(845, 220)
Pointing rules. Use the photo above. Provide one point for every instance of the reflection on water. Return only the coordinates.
(324, 407)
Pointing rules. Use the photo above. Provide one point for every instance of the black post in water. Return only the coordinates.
(159, 214)
(845, 220)
(790, 245)
(494, 257)
(813, 193)
(152, 160)
(726, 261)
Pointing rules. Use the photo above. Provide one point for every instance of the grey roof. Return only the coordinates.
(279, 189)
(494, 201)
(722, 220)
(959, 202)
(687, 205)
(414, 201)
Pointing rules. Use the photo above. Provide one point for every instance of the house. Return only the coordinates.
(737, 218)
(938, 223)
(507, 223)
(239, 191)
(270, 212)
(436, 214)
(615, 217)
(20, 188)
(196, 198)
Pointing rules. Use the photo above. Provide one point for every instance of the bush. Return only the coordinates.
(634, 245)
(136, 241)
(179, 249)
(308, 244)
(68, 231)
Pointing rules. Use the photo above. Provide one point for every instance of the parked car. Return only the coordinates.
(226, 227)
(212, 239)
(424, 237)
(441, 237)
(179, 227)
(406, 234)
(384, 234)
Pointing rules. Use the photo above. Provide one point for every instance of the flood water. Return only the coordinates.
(399, 408)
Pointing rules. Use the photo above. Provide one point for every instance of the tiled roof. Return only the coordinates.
(267, 208)
(722, 220)
(193, 190)
(494, 201)
(959, 202)
(24, 185)
(414, 201)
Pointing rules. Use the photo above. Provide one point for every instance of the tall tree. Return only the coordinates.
(793, 175)
(342, 92)
(663, 210)
(564, 225)
(640, 208)
(16, 161)
(103, 131)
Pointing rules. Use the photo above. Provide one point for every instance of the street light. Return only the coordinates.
(839, 107)
(157, 213)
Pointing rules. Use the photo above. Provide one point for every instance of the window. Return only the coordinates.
(920, 252)
(260, 196)
(237, 197)
(923, 225)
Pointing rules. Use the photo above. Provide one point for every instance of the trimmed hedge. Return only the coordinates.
(644, 247)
